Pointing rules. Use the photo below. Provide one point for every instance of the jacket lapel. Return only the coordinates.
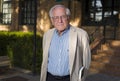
(72, 46)
(49, 38)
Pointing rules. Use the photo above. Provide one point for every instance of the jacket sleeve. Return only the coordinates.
(86, 55)
(86, 51)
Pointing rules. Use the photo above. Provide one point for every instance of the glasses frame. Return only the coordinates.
(63, 17)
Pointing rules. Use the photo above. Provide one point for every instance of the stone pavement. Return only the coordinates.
(28, 76)
(101, 77)
(22, 77)
(18, 74)
(94, 77)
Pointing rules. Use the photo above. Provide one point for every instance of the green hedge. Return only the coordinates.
(19, 47)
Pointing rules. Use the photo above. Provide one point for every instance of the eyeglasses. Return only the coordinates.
(63, 17)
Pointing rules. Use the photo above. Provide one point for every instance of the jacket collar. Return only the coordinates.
(72, 46)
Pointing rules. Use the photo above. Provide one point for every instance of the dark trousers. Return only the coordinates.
(50, 77)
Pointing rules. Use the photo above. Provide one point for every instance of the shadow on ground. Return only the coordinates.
(101, 77)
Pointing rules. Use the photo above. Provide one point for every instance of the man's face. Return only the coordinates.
(60, 20)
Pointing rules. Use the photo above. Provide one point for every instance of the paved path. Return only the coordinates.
(92, 77)
(30, 77)
(102, 77)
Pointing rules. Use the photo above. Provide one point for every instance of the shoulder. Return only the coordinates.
(81, 34)
(78, 30)
(50, 31)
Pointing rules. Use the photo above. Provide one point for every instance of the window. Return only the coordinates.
(5, 12)
(95, 12)
(92, 12)
(27, 12)
(0, 11)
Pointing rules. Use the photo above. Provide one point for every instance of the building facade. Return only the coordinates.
(24, 15)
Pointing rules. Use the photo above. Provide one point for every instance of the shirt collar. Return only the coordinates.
(67, 29)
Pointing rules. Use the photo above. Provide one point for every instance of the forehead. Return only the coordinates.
(59, 11)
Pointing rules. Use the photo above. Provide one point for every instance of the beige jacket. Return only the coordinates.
(79, 53)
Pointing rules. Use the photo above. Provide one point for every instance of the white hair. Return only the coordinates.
(56, 6)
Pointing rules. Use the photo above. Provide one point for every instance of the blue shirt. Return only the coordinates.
(58, 59)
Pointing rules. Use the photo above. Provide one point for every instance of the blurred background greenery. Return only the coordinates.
(19, 47)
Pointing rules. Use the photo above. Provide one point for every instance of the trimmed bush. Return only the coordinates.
(19, 47)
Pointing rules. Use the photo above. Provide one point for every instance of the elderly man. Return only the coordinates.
(66, 51)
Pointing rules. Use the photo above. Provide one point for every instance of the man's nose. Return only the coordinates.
(60, 19)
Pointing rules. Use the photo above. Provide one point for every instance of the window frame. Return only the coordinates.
(105, 15)
(90, 13)
(27, 12)
(6, 12)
